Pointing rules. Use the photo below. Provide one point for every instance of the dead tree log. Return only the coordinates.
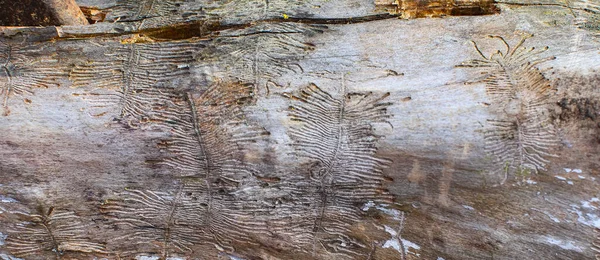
(351, 129)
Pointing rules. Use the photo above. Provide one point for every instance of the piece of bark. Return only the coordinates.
(67, 12)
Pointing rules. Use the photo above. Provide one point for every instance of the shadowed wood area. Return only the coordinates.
(278, 129)
(41, 12)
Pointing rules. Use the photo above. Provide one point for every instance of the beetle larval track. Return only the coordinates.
(263, 53)
(596, 243)
(134, 70)
(151, 13)
(587, 14)
(255, 10)
(522, 137)
(51, 232)
(204, 152)
(20, 73)
(168, 221)
(336, 136)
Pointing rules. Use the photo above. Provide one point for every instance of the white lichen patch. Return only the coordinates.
(5, 199)
(593, 203)
(8, 257)
(530, 182)
(232, 257)
(570, 175)
(560, 178)
(396, 214)
(145, 257)
(468, 207)
(394, 243)
(587, 212)
(407, 244)
(566, 245)
(568, 170)
(550, 216)
(153, 257)
(368, 205)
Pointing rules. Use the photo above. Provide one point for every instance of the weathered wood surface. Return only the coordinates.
(302, 130)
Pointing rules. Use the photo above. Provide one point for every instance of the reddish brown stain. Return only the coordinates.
(94, 14)
(409, 9)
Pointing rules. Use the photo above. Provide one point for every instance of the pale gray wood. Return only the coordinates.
(54, 152)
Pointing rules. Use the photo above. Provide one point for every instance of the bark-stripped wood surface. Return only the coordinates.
(351, 129)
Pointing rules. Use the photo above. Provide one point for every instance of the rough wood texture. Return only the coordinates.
(279, 129)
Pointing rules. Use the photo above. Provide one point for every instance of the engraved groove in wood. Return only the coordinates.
(151, 13)
(336, 135)
(20, 72)
(133, 70)
(167, 223)
(263, 53)
(204, 151)
(587, 14)
(51, 233)
(596, 243)
(175, 223)
(242, 11)
(208, 132)
(522, 137)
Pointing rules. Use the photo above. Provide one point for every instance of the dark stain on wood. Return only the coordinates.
(94, 14)
(26, 13)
